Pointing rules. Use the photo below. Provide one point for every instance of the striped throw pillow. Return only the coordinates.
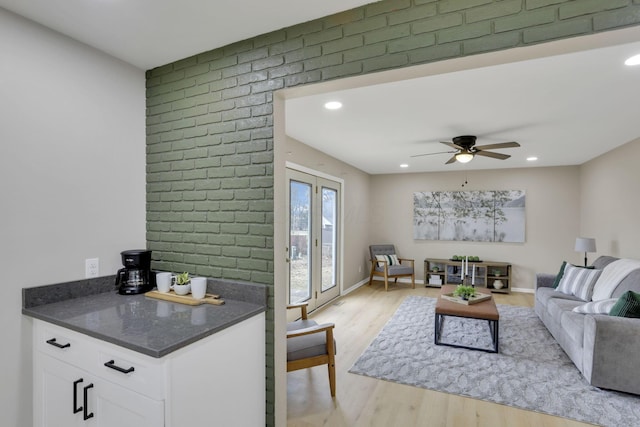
(596, 307)
(578, 281)
(391, 260)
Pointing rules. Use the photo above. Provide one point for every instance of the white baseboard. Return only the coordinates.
(354, 287)
(523, 290)
(420, 282)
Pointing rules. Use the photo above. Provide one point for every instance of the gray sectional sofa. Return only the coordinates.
(606, 349)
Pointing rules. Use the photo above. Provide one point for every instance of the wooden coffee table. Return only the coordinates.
(485, 310)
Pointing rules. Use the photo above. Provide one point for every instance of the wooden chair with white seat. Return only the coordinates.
(310, 344)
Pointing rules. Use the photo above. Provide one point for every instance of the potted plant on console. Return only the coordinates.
(183, 284)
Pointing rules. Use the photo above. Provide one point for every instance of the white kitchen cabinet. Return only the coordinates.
(218, 380)
(73, 397)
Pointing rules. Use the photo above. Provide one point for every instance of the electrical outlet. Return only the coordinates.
(91, 267)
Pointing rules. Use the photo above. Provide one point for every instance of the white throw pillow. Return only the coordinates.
(391, 260)
(596, 307)
(578, 281)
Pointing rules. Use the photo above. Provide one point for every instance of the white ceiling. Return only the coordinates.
(150, 33)
(565, 109)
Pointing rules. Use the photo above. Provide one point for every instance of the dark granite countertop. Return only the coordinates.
(146, 325)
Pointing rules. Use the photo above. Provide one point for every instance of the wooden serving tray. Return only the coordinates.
(185, 299)
(474, 300)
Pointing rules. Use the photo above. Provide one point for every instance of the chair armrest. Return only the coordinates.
(303, 309)
(325, 327)
(611, 347)
(406, 259)
(302, 304)
(545, 280)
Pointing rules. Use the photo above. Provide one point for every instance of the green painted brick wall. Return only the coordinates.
(210, 123)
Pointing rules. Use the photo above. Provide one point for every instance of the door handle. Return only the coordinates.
(75, 396)
(85, 413)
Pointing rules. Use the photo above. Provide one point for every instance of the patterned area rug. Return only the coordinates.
(531, 371)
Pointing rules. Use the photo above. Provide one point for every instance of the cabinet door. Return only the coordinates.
(58, 393)
(115, 406)
(60, 399)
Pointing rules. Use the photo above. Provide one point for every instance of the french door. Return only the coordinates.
(313, 223)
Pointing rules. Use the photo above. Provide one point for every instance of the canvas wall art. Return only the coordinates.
(475, 216)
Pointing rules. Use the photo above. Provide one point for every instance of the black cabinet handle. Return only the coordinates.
(86, 403)
(112, 364)
(75, 396)
(53, 342)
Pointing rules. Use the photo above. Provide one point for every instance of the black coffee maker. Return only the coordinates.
(135, 277)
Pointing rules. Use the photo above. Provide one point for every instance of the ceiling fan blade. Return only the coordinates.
(512, 144)
(452, 145)
(431, 154)
(499, 156)
(451, 160)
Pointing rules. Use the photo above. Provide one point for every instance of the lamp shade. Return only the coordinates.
(585, 244)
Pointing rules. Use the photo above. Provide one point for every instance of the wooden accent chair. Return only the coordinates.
(385, 263)
(310, 344)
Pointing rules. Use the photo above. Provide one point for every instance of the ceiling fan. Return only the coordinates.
(466, 149)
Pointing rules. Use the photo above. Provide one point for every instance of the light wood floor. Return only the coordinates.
(364, 401)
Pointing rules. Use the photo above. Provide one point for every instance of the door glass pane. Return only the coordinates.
(329, 238)
(299, 242)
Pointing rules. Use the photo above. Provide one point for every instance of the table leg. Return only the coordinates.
(494, 327)
(439, 319)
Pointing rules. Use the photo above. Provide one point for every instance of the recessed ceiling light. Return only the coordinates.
(333, 105)
(634, 60)
(404, 165)
(532, 159)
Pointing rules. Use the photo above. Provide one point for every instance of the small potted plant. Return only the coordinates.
(183, 284)
(465, 292)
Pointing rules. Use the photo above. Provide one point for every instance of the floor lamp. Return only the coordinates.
(585, 244)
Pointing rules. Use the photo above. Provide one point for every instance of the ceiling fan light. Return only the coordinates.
(634, 60)
(464, 157)
(333, 105)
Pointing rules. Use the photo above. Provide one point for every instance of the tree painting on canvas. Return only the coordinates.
(476, 216)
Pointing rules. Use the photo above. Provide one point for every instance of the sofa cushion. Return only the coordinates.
(557, 306)
(612, 275)
(573, 326)
(628, 305)
(543, 295)
(596, 307)
(556, 282)
(578, 281)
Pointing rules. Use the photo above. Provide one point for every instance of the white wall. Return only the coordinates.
(610, 202)
(72, 177)
(552, 217)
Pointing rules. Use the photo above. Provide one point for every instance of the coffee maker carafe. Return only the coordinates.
(135, 277)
